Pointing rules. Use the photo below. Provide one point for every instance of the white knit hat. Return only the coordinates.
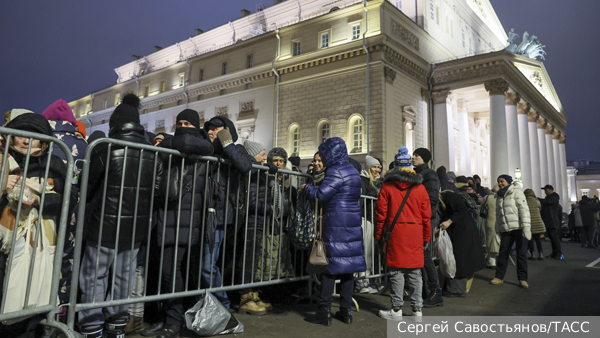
(371, 161)
(16, 112)
(253, 148)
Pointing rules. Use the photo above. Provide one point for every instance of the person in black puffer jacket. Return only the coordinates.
(177, 237)
(222, 134)
(128, 216)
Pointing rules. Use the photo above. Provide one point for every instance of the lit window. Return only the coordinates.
(296, 48)
(325, 132)
(117, 99)
(399, 4)
(296, 139)
(105, 104)
(162, 86)
(356, 32)
(431, 9)
(222, 92)
(181, 79)
(585, 192)
(324, 40)
(224, 68)
(249, 61)
(201, 75)
(357, 135)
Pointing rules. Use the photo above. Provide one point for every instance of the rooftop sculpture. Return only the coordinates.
(529, 47)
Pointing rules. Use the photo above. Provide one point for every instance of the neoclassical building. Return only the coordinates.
(380, 74)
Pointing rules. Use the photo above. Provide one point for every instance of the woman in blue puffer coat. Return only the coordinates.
(342, 233)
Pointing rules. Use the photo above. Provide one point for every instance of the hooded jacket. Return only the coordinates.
(588, 212)
(431, 181)
(132, 196)
(338, 196)
(537, 224)
(192, 142)
(512, 212)
(443, 179)
(413, 228)
(551, 211)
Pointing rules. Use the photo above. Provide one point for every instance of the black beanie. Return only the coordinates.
(191, 116)
(126, 112)
(424, 153)
(34, 123)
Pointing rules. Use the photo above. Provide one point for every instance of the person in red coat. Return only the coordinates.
(412, 231)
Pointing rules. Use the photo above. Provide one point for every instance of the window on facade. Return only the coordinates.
(248, 85)
(146, 90)
(431, 9)
(87, 108)
(249, 61)
(224, 68)
(181, 79)
(200, 97)
(160, 107)
(355, 32)
(324, 40)
(325, 132)
(296, 48)
(357, 135)
(585, 192)
(399, 4)
(179, 102)
(201, 78)
(296, 140)
(162, 86)
(105, 104)
(222, 92)
(117, 99)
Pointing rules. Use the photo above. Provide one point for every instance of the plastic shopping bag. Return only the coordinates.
(209, 318)
(446, 255)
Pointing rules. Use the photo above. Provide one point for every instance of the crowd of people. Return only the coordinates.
(139, 203)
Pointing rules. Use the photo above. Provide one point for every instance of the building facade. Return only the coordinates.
(584, 179)
(379, 74)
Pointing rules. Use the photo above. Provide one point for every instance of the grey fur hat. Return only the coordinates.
(279, 152)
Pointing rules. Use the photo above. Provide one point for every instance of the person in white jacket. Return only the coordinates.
(513, 223)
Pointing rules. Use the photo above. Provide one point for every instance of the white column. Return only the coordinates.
(541, 132)
(557, 166)
(479, 124)
(526, 174)
(572, 184)
(536, 175)
(562, 169)
(463, 137)
(498, 129)
(443, 129)
(512, 124)
(550, 151)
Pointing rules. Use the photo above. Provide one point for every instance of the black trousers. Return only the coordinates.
(537, 239)
(327, 286)
(429, 271)
(555, 241)
(507, 239)
(584, 234)
(173, 307)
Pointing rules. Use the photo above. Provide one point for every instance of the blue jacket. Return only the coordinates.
(338, 196)
(65, 132)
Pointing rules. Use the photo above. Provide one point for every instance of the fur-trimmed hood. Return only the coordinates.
(402, 176)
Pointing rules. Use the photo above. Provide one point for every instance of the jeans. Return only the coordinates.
(507, 239)
(211, 274)
(415, 286)
(327, 286)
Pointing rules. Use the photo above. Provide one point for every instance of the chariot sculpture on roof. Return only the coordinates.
(529, 47)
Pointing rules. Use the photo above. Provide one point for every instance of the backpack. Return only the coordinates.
(484, 209)
(471, 206)
(302, 231)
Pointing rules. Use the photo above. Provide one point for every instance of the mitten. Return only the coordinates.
(225, 137)
(272, 168)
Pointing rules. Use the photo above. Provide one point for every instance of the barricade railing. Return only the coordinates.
(236, 240)
(21, 232)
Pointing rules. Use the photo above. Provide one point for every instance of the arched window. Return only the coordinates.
(357, 135)
(325, 132)
(294, 139)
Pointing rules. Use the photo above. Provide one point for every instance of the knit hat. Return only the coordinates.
(508, 178)
(98, 134)
(371, 161)
(462, 179)
(34, 123)
(81, 129)
(59, 111)
(403, 159)
(451, 175)
(424, 153)
(17, 112)
(295, 160)
(126, 112)
(253, 148)
(191, 116)
(277, 152)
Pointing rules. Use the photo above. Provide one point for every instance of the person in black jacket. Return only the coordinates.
(588, 218)
(446, 183)
(431, 181)
(552, 216)
(115, 206)
(222, 134)
(178, 236)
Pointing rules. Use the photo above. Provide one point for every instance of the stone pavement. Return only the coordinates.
(557, 288)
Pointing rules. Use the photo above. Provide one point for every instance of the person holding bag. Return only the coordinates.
(342, 233)
(404, 224)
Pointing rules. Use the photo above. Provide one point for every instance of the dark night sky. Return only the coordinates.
(69, 48)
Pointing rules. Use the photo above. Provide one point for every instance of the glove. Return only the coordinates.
(527, 233)
(425, 245)
(225, 137)
(272, 168)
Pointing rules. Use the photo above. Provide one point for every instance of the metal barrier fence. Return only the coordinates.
(21, 232)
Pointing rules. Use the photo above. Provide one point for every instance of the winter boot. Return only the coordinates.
(115, 328)
(135, 324)
(248, 306)
(434, 299)
(92, 332)
(261, 302)
(344, 315)
(322, 317)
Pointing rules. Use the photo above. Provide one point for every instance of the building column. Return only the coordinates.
(512, 125)
(543, 168)
(551, 162)
(443, 130)
(526, 174)
(536, 175)
(463, 138)
(571, 172)
(562, 169)
(498, 128)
